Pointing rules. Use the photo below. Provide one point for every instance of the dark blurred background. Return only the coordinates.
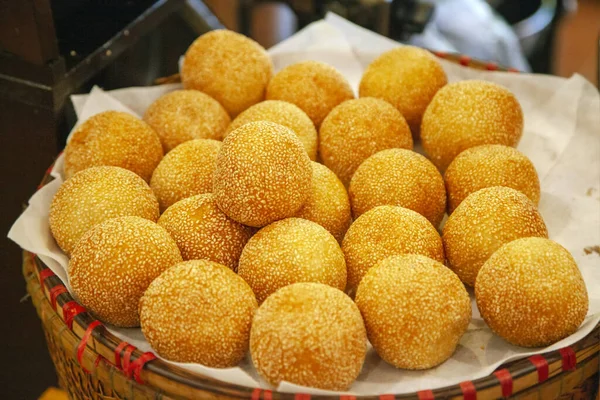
(50, 49)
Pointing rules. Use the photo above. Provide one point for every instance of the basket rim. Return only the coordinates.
(156, 372)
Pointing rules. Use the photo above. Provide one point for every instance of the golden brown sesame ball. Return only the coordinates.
(198, 312)
(407, 77)
(490, 165)
(263, 174)
(485, 221)
(415, 310)
(116, 139)
(327, 204)
(114, 263)
(357, 129)
(184, 115)
(289, 251)
(185, 171)
(202, 231)
(402, 178)
(386, 231)
(309, 334)
(95, 195)
(229, 67)
(313, 86)
(467, 114)
(282, 113)
(531, 293)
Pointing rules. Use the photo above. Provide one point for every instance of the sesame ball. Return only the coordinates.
(282, 113)
(485, 221)
(202, 231)
(327, 203)
(289, 251)
(114, 263)
(309, 334)
(531, 293)
(185, 171)
(490, 165)
(415, 310)
(315, 87)
(94, 195)
(116, 139)
(386, 231)
(467, 114)
(229, 67)
(184, 115)
(357, 129)
(402, 178)
(198, 312)
(406, 77)
(263, 174)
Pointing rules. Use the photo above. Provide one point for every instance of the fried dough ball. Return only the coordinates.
(466, 114)
(415, 310)
(116, 139)
(315, 87)
(229, 67)
(407, 77)
(402, 178)
(485, 221)
(357, 129)
(531, 293)
(309, 334)
(490, 165)
(184, 115)
(198, 312)
(282, 113)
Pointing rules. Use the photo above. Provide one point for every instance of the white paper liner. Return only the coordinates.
(561, 137)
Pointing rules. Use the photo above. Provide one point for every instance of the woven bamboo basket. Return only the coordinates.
(91, 363)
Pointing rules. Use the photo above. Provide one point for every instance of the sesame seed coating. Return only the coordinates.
(309, 334)
(466, 114)
(116, 139)
(490, 165)
(315, 87)
(485, 221)
(415, 310)
(185, 171)
(202, 231)
(113, 264)
(402, 178)
(386, 231)
(263, 174)
(199, 312)
(327, 203)
(94, 195)
(407, 77)
(229, 67)
(282, 113)
(184, 115)
(289, 251)
(531, 293)
(357, 129)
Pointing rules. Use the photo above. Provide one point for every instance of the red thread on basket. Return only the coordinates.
(137, 366)
(55, 292)
(347, 397)
(126, 366)
(97, 362)
(464, 60)
(491, 66)
(83, 343)
(425, 395)
(255, 394)
(506, 381)
(569, 358)
(268, 395)
(541, 364)
(45, 274)
(469, 391)
(302, 396)
(70, 310)
(118, 351)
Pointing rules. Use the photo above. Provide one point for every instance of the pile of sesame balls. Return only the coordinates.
(279, 214)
